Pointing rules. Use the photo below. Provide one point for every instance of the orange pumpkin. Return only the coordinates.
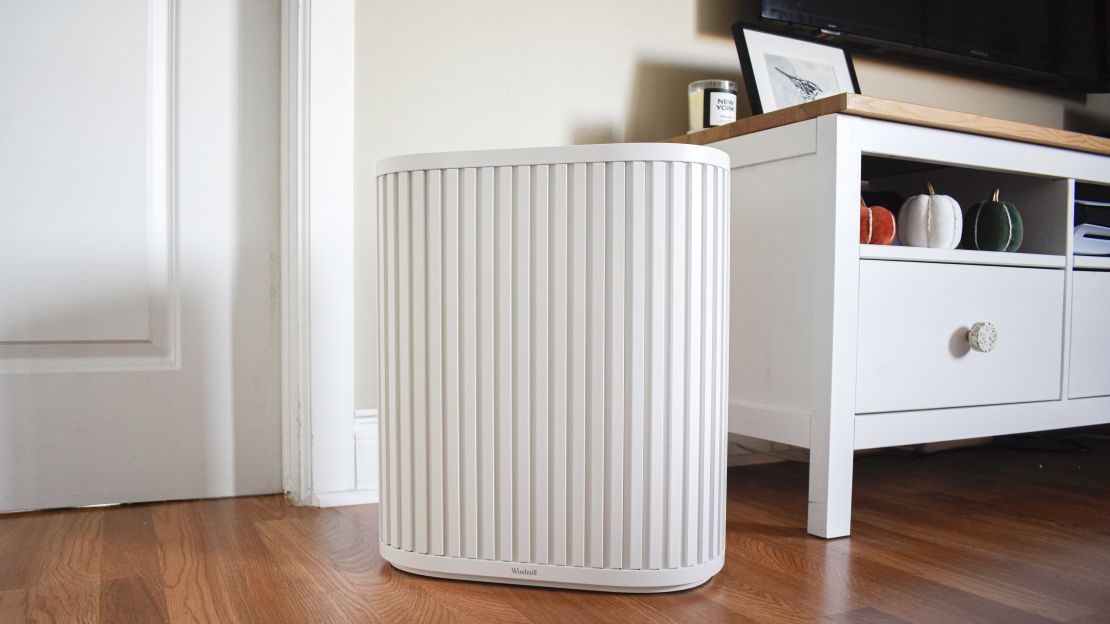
(876, 225)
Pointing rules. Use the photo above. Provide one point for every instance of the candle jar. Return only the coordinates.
(712, 103)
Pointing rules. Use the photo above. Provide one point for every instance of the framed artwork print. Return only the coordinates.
(781, 71)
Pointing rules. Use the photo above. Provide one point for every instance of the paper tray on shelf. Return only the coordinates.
(1092, 240)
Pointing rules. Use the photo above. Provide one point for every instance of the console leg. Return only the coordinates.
(830, 486)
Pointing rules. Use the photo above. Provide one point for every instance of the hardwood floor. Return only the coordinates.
(987, 535)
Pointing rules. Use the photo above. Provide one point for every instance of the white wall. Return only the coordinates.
(434, 76)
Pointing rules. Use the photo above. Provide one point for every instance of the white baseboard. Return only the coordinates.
(349, 497)
(755, 451)
(366, 450)
(751, 459)
(366, 413)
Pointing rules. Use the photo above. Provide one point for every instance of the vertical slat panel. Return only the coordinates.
(554, 378)
(387, 199)
(708, 382)
(521, 367)
(487, 399)
(395, 342)
(595, 416)
(503, 359)
(706, 478)
(720, 356)
(657, 354)
(418, 443)
(677, 362)
(435, 456)
(541, 358)
(469, 452)
(404, 333)
(637, 269)
(454, 365)
(576, 455)
(695, 306)
(560, 362)
(724, 236)
(615, 322)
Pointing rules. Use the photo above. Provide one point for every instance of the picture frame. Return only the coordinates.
(782, 71)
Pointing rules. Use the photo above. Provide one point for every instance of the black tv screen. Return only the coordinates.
(1053, 43)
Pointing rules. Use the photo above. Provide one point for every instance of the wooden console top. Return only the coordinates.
(903, 112)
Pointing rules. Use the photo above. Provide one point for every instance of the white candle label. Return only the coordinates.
(720, 108)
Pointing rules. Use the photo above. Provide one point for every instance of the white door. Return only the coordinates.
(139, 256)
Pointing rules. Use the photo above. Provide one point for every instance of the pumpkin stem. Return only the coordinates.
(929, 185)
(994, 197)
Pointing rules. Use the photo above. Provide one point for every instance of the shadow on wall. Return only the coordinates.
(592, 132)
(256, 306)
(1089, 120)
(716, 17)
(658, 103)
(658, 107)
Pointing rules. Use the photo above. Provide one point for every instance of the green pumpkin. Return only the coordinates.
(993, 226)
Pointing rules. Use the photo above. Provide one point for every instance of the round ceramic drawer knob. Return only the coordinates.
(982, 336)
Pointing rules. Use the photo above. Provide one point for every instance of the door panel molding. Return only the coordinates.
(161, 347)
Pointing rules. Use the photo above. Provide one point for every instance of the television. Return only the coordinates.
(1058, 45)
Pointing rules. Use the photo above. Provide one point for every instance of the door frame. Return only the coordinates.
(317, 251)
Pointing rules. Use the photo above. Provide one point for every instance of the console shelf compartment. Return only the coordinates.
(1042, 201)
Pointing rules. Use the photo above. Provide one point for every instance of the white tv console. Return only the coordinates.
(837, 346)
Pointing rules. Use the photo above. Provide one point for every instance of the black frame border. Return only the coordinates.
(746, 61)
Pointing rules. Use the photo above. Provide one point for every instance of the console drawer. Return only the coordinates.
(913, 323)
(1090, 334)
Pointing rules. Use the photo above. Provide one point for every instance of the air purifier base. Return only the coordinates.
(556, 576)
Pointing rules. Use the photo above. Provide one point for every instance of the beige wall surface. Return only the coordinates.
(482, 74)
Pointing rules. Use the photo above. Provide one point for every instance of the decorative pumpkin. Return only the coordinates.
(993, 226)
(931, 221)
(876, 225)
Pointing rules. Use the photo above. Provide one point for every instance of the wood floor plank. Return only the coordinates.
(828, 579)
(13, 606)
(18, 532)
(488, 603)
(193, 592)
(1008, 534)
(377, 594)
(1011, 551)
(77, 602)
(893, 585)
(1098, 618)
(866, 615)
(130, 546)
(957, 568)
(132, 600)
(64, 575)
(476, 603)
(235, 555)
(69, 549)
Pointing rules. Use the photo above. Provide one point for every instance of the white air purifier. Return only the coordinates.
(554, 331)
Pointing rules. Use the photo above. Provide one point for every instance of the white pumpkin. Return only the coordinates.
(931, 221)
